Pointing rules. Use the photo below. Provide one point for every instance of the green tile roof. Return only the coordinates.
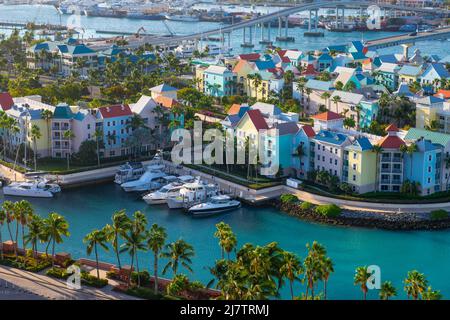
(435, 137)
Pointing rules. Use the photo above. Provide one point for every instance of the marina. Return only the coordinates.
(88, 208)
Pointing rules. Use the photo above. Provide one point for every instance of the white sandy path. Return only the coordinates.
(19, 284)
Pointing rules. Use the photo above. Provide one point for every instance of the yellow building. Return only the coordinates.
(199, 77)
(430, 111)
(242, 69)
(409, 74)
(250, 126)
(360, 166)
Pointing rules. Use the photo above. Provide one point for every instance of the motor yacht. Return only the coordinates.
(191, 194)
(148, 181)
(36, 188)
(168, 190)
(129, 171)
(217, 204)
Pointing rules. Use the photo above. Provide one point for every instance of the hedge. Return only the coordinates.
(328, 210)
(439, 214)
(25, 263)
(93, 281)
(306, 206)
(288, 198)
(144, 293)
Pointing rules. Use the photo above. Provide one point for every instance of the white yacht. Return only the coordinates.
(148, 181)
(129, 171)
(192, 193)
(185, 50)
(216, 204)
(169, 190)
(35, 188)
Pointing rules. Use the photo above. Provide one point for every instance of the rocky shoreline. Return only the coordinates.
(398, 221)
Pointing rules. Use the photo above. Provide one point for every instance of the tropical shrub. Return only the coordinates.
(288, 198)
(25, 263)
(58, 273)
(144, 277)
(144, 293)
(92, 281)
(112, 274)
(439, 214)
(179, 283)
(306, 206)
(328, 210)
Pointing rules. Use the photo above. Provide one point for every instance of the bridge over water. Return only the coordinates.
(281, 16)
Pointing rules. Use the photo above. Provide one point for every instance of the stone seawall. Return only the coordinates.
(400, 222)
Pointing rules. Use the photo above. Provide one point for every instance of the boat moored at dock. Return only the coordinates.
(129, 171)
(38, 188)
(191, 194)
(217, 204)
(169, 190)
(148, 181)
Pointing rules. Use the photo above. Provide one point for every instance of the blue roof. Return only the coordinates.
(331, 137)
(80, 49)
(325, 57)
(62, 111)
(361, 144)
(308, 58)
(357, 45)
(388, 58)
(319, 85)
(338, 48)
(243, 110)
(441, 70)
(410, 70)
(358, 55)
(263, 65)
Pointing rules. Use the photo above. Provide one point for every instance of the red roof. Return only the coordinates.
(118, 110)
(310, 70)
(391, 142)
(250, 56)
(285, 59)
(258, 120)
(444, 94)
(327, 116)
(281, 53)
(392, 128)
(6, 101)
(309, 131)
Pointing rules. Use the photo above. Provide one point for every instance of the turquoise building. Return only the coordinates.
(219, 81)
(424, 166)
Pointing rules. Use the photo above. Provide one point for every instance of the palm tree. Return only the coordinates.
(222, 229)
(47, 115)
(178, 252)
(431, 294)
(412, 148)
(35, 228)
(56, 227)
(134, 241)
(312, 266)
(35, 135)
(415, 284)
(23, 212)
(291, 269)
(327, 269)
(378, 150)
(358, 110)
(94, 239)
(361, 278)
(387, 290)
(308, 94)
(98, 135)
(336, 100)
(156, 238)
(8, 208)
(325, 96)
(69, 135)
(2, 221)
(120, 225)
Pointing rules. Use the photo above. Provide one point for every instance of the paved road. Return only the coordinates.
(369, 206)
(23, 285)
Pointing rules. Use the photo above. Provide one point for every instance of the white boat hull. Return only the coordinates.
(155, 200)
(175, 203)
(212, 211)
(8, 191)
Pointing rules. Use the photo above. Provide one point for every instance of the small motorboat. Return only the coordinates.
(35, 188)
(169, 190)
(217, 204)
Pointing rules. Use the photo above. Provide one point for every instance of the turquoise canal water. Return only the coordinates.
(48, 14)
(395, 252)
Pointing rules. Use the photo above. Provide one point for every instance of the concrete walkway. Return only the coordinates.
(368, 206)
(23, 285)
